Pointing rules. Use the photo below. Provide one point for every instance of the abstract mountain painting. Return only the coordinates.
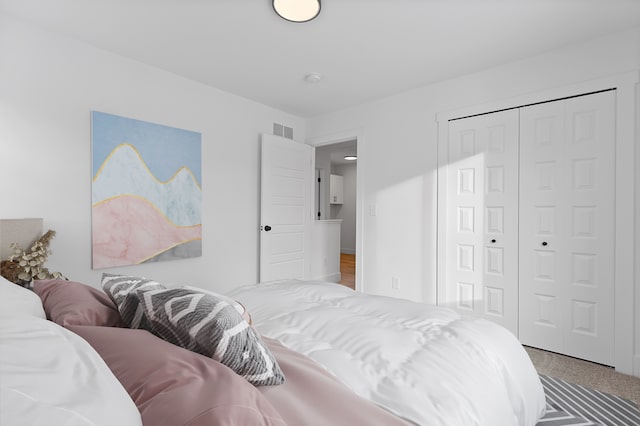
(146, 192)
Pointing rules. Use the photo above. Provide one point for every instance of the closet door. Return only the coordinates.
(567, 151)
(482, 226)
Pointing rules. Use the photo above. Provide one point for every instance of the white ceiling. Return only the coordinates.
(364, 49)
(338, 151)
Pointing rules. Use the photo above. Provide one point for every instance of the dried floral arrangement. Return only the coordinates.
(23, 267)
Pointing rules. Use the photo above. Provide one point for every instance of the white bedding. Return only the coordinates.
(49, 375)
(424, 363)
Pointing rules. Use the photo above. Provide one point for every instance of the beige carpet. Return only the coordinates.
(585, 373)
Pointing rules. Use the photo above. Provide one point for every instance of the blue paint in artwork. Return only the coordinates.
(164, 149)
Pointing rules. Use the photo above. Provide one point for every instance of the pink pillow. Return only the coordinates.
(174, 386)
(72, 303)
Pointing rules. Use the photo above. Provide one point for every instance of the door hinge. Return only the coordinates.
(319, 180)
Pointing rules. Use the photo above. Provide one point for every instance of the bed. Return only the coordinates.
(310, 353)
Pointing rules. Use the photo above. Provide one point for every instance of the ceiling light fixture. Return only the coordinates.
(297, 10)
(350, 157)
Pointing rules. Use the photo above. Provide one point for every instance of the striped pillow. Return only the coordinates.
(209, 325)
(239, 306)
(122, 289)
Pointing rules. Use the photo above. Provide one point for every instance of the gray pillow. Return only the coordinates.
(210, 326)
(122, 289)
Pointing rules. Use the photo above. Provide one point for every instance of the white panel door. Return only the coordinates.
(285, 209)
(482, 224)
(567, 153)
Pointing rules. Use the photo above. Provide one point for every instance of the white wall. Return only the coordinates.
(48, 86)
(399, 145)
(347, 210)
(397, 150)
(636, 255)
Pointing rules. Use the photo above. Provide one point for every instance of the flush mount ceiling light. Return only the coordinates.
(350, 157)
(297, 10)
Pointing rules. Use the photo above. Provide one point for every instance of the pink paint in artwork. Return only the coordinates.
(129, 230)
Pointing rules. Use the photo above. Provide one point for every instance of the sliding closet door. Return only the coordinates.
(567, 151)
(481, 238)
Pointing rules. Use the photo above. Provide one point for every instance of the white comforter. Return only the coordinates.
(424, 363)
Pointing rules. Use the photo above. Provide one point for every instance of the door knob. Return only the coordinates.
(267, 228)
(544, 243)
(493, 241)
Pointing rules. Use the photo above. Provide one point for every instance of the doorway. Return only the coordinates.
(336, 167)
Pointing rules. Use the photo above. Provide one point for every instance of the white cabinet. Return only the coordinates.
(336, 189)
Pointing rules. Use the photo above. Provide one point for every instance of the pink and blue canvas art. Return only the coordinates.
(146, 192)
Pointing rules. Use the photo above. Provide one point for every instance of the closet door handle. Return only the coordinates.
(493, 241)
(544, 243)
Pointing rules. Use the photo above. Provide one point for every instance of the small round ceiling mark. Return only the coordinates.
(312, 78)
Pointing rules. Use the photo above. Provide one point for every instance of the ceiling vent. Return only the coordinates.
(281, 130)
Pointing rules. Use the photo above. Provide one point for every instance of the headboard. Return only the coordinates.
(24, 232)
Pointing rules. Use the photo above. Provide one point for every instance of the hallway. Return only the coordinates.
(348, 270)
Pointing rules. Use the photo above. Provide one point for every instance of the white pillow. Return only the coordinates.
(19, 301)
(51, 376)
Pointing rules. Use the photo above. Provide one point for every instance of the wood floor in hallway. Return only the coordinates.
(348, 270)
